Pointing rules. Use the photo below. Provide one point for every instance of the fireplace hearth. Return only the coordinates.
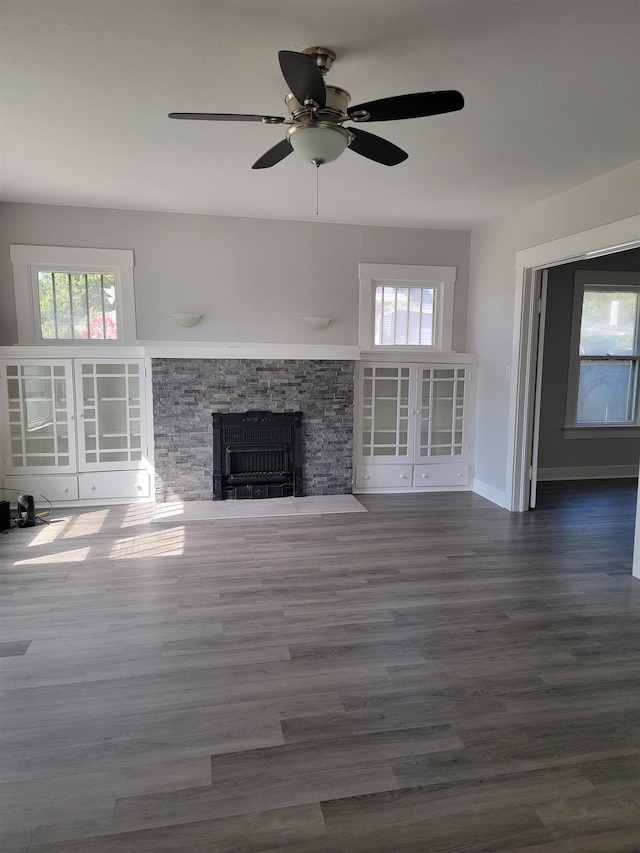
(257, 454)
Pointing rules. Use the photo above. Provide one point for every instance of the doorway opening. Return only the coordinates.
(531, 264)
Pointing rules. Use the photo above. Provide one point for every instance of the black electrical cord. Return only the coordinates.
(41, 517)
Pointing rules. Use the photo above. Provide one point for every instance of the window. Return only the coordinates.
(70, 296)
(77, 305)
(403, 315)
(406, 308)
(605, 353)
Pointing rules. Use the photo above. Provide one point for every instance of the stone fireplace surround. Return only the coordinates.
(187, 391)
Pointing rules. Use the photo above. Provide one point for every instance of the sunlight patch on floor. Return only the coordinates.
(50, 532)
(87, 524)
(169, 543)
(77, 555)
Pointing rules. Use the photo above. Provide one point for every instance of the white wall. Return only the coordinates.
(606, 199)
(252, 279)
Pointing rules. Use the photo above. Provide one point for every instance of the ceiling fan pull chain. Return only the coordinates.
(317, 181)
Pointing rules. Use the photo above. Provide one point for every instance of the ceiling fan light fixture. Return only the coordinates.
(318, 143)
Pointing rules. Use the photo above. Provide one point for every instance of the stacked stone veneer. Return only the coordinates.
(187, 391)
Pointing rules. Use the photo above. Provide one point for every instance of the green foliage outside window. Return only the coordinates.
(608, 322)
(77, 306)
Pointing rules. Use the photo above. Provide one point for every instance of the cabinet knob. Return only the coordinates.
(425, 476)
(460, 475)
(93, 488)
(403, 476)
(65, 490)
(366, 476)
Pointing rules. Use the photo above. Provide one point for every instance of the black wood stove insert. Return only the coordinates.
(257, 455)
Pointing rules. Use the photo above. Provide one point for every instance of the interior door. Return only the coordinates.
(540, 285)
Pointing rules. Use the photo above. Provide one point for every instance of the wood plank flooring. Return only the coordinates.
(436, 674)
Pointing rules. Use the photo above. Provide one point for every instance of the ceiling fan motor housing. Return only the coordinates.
(323, 57)
(334, 110)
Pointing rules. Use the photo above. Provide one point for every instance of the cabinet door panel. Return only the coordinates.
(111, 413)
(40, 417)
(441, 412)
(386, 423)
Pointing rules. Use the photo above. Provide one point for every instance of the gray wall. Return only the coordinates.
(556, 451)
(252, 279)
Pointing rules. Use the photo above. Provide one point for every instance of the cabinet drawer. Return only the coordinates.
(114, 484)
(450, 474)
(383, 476)
(54, 488)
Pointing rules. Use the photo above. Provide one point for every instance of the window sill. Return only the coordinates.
(604, 431)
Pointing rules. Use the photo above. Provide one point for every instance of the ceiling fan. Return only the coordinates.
(317, 113)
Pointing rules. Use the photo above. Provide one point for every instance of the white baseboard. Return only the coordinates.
(491, 494)
(598, 472)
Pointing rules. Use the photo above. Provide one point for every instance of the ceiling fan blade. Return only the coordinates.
(376, 148)
(227, 117)
(303, 77)
(417, 105)
(273, 155)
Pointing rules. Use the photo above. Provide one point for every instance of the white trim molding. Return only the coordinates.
(440, 279)
(599, 472)
(179, 349)
(28, 260)
(604, 240)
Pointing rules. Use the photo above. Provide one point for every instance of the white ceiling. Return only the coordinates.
(552, 90)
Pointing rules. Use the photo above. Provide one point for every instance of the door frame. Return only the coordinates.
(604, 240)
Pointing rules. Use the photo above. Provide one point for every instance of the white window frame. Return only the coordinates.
(28, 261)
(601, 279)
(440, 279)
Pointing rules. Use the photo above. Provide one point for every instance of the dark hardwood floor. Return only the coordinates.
(434, 675)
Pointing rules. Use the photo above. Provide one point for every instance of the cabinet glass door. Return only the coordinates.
(386, 425)
(110, 404)
(40, 411)
(442, 395)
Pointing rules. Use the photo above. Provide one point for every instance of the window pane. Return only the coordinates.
(62, 305)
(608, 322)
(403, 316)
(45, 298)
(77, 306)
(606, 391)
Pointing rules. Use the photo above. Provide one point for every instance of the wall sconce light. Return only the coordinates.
(316, 323)
(185, 319)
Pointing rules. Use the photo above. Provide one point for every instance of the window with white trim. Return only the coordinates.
(406, 308)
(74, 296)
(605, 351)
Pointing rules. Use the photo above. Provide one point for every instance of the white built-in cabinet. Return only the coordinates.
(413, 426)
(75, 429)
